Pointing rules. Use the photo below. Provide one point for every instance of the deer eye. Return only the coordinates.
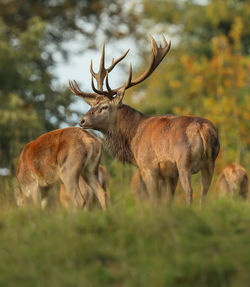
(103, 108)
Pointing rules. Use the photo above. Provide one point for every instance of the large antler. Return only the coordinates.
(158, 53)
(99, 76)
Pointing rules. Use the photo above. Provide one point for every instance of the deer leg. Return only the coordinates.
(99, 192)
(91, 180)
(87, 193)
(223, 187)
(171, 187)
(65, 197)
(206, 178)
(19, 197)
(70, 179)
(44, 196)
(185, 179)
(244, 187)
(151, 180)
(141, 191)
(36, 194)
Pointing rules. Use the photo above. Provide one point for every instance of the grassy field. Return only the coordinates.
(129, 245)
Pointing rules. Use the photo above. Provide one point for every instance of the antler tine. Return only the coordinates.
(91, 68)
(74, 89)
(113, 92)
(114, 63)
(129, 77)
(107, 83)
(101, 73)
(77, 91)
(102, 61)
(76, 85)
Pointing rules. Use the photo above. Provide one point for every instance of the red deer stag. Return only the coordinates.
(179, 146)
(233, 180)
(66, 155)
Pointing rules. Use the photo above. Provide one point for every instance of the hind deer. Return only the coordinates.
(176, 146)
(63, 155)
(233, 180)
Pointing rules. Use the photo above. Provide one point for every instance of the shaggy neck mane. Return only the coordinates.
(118, 138)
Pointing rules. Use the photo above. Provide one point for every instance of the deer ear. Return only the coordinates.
(119, 97)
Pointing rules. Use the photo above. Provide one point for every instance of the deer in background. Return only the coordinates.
(63, 155)
(233, 180)
(173, 146)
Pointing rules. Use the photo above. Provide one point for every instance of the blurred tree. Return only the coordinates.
(69, 18)
(196, 22)
(29, 102)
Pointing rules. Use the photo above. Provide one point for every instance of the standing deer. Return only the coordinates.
(177, 146)
(233, 179)
(66, 155)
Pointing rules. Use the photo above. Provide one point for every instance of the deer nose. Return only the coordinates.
(81, 122)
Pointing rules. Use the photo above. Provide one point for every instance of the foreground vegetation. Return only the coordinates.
(128, 245)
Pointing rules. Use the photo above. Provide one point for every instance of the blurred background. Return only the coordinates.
(44, 43)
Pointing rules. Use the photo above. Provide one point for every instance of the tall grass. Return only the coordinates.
(128, 245)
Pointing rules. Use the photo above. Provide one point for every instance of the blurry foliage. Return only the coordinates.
(127, 246)
(195, 23)
(30, 104)
(69, 18)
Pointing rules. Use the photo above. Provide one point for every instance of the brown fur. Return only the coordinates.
(63, 155)
(233, 180)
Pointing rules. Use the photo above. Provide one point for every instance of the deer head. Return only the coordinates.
(105, 103)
